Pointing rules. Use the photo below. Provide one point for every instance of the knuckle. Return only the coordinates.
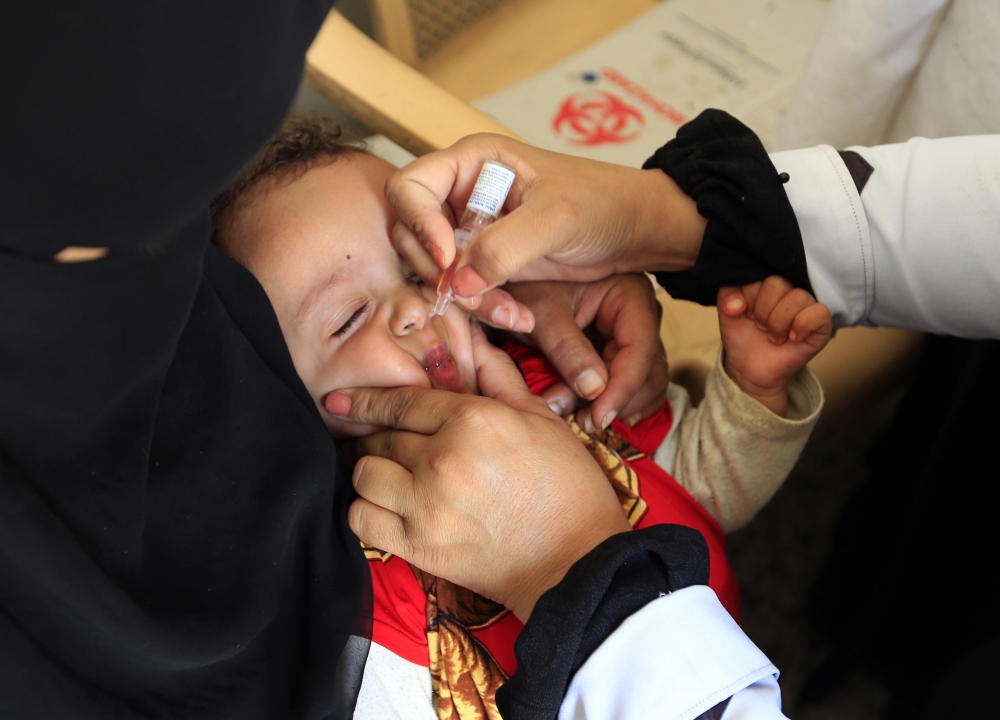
(401, 234)
(471, 416)
(776, 282)
(362, 470)
(357, 521)
(394, 406)
(800, 297)
(439, 460)
(394, 185)
(567, 353)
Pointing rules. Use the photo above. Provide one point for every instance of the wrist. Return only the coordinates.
(668, 227)
(773, 397)
(529, 588)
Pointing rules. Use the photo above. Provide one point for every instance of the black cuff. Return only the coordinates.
(615, 580)
(752, 231)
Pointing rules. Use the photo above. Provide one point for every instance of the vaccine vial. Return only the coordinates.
(484, 206)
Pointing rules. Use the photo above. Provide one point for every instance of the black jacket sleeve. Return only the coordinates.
(752, 231)
(598, 594)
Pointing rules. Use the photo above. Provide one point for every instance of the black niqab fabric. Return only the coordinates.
(173, 536)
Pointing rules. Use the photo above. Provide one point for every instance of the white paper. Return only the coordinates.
(625, 96)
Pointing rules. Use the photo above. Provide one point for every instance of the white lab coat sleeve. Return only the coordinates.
(675, 659)
(919, 248)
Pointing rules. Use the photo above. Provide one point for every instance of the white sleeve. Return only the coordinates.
(675, 659)
(858, 71)
(394, 689)
(920, 247)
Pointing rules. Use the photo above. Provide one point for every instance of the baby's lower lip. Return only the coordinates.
(441, 368)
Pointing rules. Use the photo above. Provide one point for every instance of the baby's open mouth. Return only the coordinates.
(441, 367)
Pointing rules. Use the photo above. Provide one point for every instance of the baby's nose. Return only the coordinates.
(411, 313)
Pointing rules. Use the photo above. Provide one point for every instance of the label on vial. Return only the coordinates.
(491, 188)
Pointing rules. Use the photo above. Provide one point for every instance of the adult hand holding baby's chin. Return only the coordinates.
(494, 493)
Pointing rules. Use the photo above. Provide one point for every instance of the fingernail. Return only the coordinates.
(589, 384)
(467, 282)
(588, 425)
(436, 253)
(773, 338)
(554, 407)
(633, 420)
(608, 419)
(762, 327)
(734, 305)
(793, 336)
(501, 317)
(337, 403)
(525, 323)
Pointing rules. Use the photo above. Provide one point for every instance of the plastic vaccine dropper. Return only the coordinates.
(484, 206)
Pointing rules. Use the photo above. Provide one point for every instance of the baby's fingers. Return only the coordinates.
(750, 293)
(772, 291)
(813, 325)
(784, 313)
(730, 301)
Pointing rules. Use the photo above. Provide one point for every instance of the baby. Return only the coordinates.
(309, 219)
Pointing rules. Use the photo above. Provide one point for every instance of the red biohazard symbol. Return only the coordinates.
(597, 117)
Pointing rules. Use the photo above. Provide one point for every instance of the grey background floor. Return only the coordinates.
(779, 556)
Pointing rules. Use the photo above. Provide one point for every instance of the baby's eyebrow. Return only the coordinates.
(311, 301)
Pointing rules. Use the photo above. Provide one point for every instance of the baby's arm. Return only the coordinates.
(761, 402)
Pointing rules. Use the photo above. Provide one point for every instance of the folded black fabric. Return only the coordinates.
(752, 230)
(173, 518)
(612, 582)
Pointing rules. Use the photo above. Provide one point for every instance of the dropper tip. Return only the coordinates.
(443, 301)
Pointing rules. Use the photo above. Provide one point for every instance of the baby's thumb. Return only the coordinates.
(731, 302)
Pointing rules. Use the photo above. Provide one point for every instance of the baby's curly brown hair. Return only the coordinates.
(300, 144)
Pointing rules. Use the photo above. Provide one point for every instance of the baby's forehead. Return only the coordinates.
(346, 191)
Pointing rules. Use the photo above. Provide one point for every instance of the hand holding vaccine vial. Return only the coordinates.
(484, 206)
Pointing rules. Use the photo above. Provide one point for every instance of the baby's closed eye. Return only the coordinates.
(355, 316)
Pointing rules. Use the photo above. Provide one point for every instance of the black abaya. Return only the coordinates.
(173, 538)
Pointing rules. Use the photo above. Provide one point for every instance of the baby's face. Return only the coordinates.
(352, 312)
